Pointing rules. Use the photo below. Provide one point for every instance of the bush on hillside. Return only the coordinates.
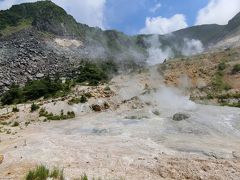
(13, 95)
(222, 66)
(236, 69)
(34, 107)
(34, 90)
(92, 74)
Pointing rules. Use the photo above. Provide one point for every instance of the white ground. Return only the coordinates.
(131, 142)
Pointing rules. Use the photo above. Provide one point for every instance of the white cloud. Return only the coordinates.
(5, 4)
(218, 12)
(161, 25)
(156, 7)
(89, 12)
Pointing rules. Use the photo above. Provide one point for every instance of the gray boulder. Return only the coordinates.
(180, 116)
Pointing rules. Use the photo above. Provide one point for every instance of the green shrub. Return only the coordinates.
(222, 66)
(15, 109)
(43, 173)
(236, 69)
(13, 95)
(70, 115)
(88, 95)
(74, 101)
(56, 173)
(43, 112)
(36, 89)
(83, 99)
(51, 116)
(92, 74)
(231, 104)
(34, 107)
(41, 88)
(218, 82)
(84, 177)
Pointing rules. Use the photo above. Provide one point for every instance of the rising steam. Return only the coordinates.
(157, 53)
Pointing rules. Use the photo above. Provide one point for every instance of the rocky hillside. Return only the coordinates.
(210, 77)
(40, 39)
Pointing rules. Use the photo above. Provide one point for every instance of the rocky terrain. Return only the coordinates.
(209, 76)
(33, 46)
(25, 56)
(91, 102)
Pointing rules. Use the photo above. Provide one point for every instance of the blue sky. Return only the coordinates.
(129, 16)
(145, 16)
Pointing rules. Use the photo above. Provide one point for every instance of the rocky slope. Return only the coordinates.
(208, 77)
(40, 39)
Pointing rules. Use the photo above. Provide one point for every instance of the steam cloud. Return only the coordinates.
(192, 47)
(157, 53)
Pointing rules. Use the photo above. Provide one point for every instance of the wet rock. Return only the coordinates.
(1, 158)
(99, 131)
(180, 116)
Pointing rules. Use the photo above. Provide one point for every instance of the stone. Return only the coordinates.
(236, 154)
(106, 105)
(180, 116)
(39, 75)
(96, 107)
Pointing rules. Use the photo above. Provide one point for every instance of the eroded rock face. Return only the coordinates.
(180, 116)
(28, 55)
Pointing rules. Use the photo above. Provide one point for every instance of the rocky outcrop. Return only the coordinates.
(100, 106)
(180, 116)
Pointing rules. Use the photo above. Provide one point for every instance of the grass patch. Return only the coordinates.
(222, 66)
(51, 116)
(12, 29)
(15, 109)
(82, 99)
(236, 69)
(84, 177)
(34, 107)
(231, 104)
(43, 173)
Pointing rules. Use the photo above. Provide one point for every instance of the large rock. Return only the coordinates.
(96, 107)
(180, 116)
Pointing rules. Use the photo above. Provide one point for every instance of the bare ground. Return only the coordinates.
(127, 141)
